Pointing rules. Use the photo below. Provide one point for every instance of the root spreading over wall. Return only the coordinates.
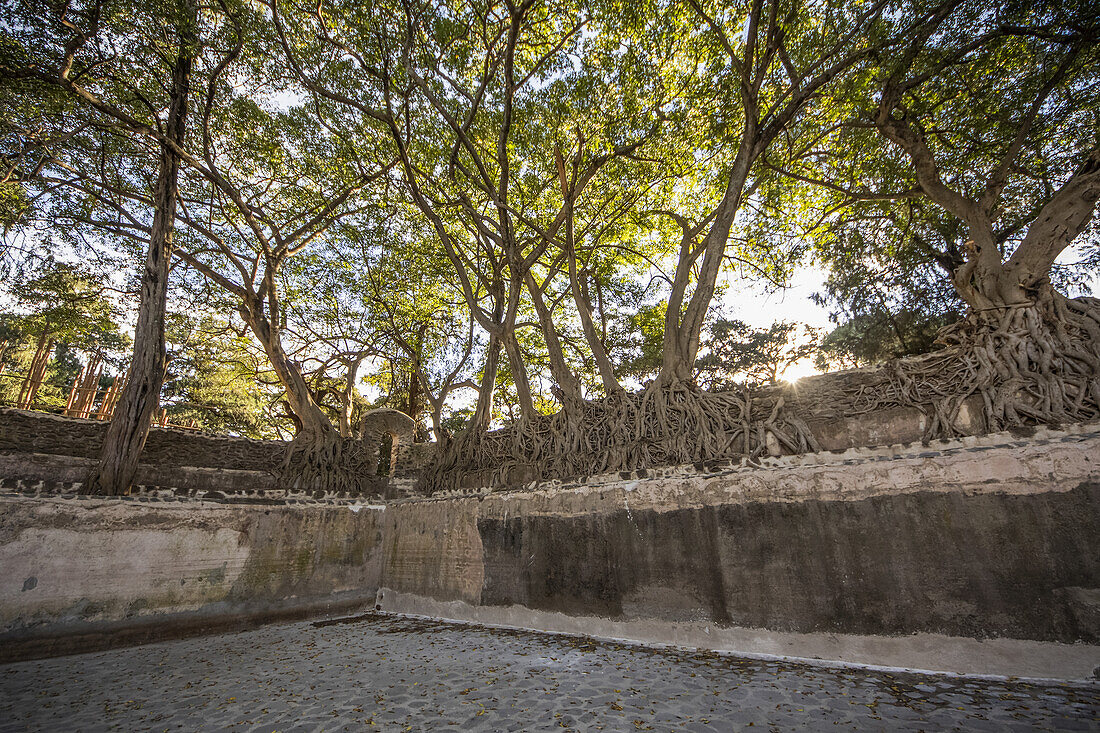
(1030, 365)
(329, 463)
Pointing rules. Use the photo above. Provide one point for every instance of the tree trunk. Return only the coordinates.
(588, 326)
(579, 291)
(483, 413)
(684, 325)
(508, 340)
(519, 372)
(298, 394)
(319, 457)
(130, 423)
(437, 422)
(415, 403)
(347, 402)
(559, 369)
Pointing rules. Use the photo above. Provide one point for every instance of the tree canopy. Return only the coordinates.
(484, 212)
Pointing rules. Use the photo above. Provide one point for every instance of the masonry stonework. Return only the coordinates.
(985, 537)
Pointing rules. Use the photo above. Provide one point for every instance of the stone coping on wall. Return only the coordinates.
(1026, 438)
(10, 488)
(402, 490)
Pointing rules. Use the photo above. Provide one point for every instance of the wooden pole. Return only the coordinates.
(37, 372)
(89, 389)
(74, 393)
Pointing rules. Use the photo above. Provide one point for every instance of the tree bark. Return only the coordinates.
(507, 336)
(684, 325)
(129, 428)
(1060, 221)
(584, 311)
(519, 372)
(483, 413)
(299, 397)
(559, 369)
(415, 404)
(347, 403)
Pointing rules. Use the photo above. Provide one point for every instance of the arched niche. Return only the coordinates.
(387, 434)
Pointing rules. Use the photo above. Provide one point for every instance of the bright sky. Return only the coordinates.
(752, 304)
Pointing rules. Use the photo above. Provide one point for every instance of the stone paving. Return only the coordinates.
(379, 672)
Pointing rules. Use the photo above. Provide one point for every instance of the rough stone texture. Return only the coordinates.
(831, 406)
(1017, 658)
(984, 537)
(70, 564)
(45, 449)
(49, 452)
(65, 472)
(970, 539)
(37, 432)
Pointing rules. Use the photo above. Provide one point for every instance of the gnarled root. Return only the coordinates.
(1030, 365)
(662, 425)
(329, 463)
(1037, 364)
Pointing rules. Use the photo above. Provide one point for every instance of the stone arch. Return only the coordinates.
(385, 428)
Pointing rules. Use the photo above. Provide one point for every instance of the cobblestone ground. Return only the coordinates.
(396, 674)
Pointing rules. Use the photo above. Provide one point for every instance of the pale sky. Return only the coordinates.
(751, 303)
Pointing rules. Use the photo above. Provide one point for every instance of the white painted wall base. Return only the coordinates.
(934, 653)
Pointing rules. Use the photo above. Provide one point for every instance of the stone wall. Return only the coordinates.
(42, 453)
(48, 454)
(24, 431)
(75, 571)
(990, 537)
(986, 537)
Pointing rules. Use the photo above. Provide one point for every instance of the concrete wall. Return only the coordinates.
(74, 570)
(982, 538)
(985, 538)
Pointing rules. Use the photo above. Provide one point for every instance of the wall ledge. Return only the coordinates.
(919, 652)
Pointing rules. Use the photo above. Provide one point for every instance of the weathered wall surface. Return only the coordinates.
(48, 454)
(70, 566)
(985, 537)
(24, 431)
(972, 539)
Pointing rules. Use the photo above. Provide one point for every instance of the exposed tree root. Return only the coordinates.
(677, 423)
(1031, 365)
(328, 463)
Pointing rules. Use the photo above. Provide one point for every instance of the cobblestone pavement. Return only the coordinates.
(396, 674)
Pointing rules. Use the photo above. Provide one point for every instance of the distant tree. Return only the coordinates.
(738, 353)
(62, 310)
(865, 340)
(643, 342)
(71, 304)
(217, 378)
